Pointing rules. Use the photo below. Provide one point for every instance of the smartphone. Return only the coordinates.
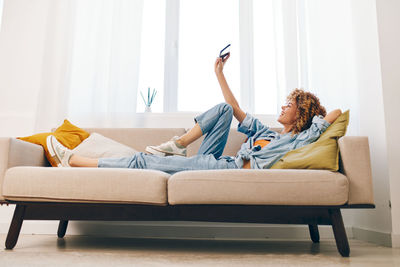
(225, 52)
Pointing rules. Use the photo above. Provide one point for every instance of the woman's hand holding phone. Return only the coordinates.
(219, 64)
(224, 54)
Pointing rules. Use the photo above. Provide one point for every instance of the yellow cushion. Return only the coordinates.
(322, 154)
(68, 134)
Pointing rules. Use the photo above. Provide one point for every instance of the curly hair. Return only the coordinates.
(307, 107)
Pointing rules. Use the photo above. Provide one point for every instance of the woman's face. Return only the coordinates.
(288, 114)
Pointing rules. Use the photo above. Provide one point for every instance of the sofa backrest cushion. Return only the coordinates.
(138, 138)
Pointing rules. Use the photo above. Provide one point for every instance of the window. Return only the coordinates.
(122, 48)
(205, 27)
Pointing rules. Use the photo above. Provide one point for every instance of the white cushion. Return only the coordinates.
(98, 146)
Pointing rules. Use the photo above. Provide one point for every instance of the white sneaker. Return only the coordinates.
(168, 148)
(60, 153)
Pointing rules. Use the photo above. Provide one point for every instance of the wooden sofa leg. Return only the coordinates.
(339, 231)
(314, 233)
(62, 229)
(15, 227)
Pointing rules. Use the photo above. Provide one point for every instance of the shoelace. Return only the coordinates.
(60, 149)
(168, 142)
(164, 144)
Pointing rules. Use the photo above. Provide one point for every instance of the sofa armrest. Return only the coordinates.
(355, 163)
(15, 152)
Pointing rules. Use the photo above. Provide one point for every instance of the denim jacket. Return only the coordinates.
(280, 143)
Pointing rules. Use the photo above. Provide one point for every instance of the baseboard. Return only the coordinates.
(373, 236)
(395, 241)
(178, 230)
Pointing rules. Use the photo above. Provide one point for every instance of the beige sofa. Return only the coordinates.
(311, 197)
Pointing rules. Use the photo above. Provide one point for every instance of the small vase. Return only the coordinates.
(147, 109)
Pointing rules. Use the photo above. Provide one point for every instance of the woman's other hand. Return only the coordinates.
(219, 64)
(333, 115)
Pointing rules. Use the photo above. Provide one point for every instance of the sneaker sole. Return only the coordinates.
(52, 151)
(50, 146)
(155, 152)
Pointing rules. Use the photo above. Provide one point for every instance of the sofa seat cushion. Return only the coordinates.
(258, 187)
(86, 185)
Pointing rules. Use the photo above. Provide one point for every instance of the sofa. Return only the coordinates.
(278, 196)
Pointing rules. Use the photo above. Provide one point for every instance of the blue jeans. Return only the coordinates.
(214, 123)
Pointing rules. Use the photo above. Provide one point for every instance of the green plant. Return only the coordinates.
(150, 97)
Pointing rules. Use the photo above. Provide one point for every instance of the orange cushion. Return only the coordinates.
(68, 134)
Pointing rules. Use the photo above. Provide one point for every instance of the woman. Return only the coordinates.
(302, 119)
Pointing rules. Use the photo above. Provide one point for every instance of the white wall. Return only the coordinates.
(389, 41)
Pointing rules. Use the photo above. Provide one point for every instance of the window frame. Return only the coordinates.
(171, 60)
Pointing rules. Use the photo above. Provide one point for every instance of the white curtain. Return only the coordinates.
(91, 60)
(104, 70)
(51, 107)
(328, 54)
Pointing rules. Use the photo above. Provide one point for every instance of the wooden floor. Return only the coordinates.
(48, 250)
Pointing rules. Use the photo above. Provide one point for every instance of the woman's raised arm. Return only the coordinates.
(226, 91)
